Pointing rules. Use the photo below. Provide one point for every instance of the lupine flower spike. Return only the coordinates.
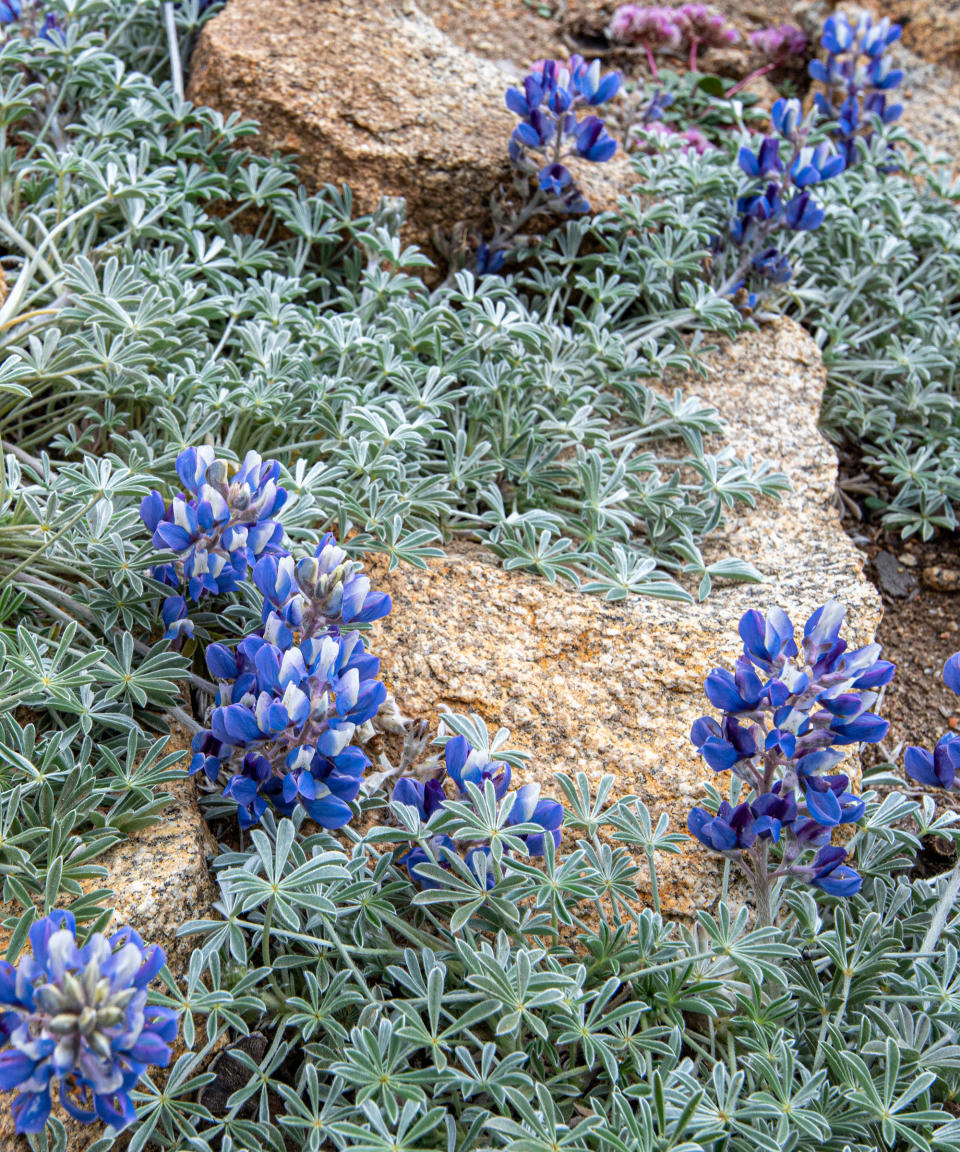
(788, 711)
(857, 78)
(80, 1014)
(28, 19)
(218, 527)
(778, 197)
(549, 136)
(293, 694)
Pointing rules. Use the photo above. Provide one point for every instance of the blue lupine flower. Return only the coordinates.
(467, 765)
(554, 178)
(528, 808)
(882, 75)
(838, 34)
(741, 691)
(490, 261)
(829, 802)
(762, 211)
(774, 811)
(803, 213)
(417, 855)
(173, 612)
(734, 829)
(332, 584)
(587, 81)
(786, 116)
(523, 103)
(767, 641)
(426, 796)
(536, 131)
(810, 833)
(10, 10)
(547, 106)
(52, 29)
(286, 712)
(594, 142)
(724, 746)
(936, 769)
(831, 875)
(866, 728)
(80, 1014)
(876, 105)
(951, 673)
(773, 265)
(789, 710)
(765, 162)
(813, 165)
(219, 529)
(877, 37)
(856, 72)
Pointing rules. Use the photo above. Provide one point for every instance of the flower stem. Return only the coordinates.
(761, 885)
(755, 75)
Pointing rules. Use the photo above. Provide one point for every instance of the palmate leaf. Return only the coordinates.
(413, 1131)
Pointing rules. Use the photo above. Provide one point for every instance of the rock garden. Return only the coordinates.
(479, 576)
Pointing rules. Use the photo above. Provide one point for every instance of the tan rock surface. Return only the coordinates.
(376, 96)
(600, 687)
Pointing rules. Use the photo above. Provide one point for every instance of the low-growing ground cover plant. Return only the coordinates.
(429, 956)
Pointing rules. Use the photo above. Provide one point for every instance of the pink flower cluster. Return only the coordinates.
(705, 26)
(652, 28)
(779, 42)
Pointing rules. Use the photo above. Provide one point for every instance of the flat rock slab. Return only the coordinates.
(588, 685)
(375, 96)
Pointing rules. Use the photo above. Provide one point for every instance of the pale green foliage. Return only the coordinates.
(147, 312)
(552, 1012)
(877, 286)
(139, 321)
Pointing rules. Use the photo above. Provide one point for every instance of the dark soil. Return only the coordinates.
(920, 588)
(920, 629)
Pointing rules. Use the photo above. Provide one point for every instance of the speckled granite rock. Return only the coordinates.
(932, 30)
(588, 685)
(160, 879)
(376, 96)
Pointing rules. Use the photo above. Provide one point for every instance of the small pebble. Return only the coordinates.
(907, 560)
(940, 579)
(891, 576)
